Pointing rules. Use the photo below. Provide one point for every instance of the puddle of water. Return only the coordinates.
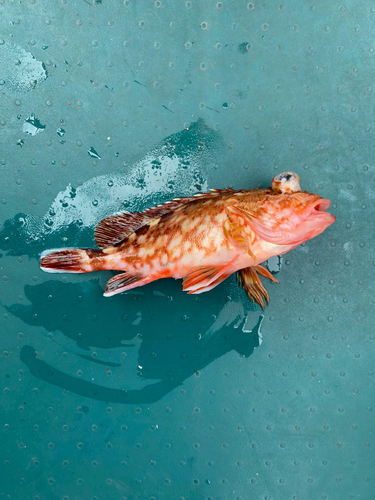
(93, 153)
(32, 125)
(273, 264)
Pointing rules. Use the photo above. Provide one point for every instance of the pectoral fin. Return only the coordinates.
(235, 233)
(250, 281)
(206, 288)
(202, 279)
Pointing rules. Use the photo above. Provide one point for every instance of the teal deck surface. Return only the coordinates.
(109, 105)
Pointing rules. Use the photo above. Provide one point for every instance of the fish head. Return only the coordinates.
(285, 215)
(297, 215)
(308, 217)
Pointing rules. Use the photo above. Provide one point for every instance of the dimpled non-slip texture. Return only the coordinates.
(110, 105)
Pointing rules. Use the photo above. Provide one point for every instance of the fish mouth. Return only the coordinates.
(317, 211)
(320, 205)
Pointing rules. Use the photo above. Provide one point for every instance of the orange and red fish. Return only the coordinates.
(202, 239)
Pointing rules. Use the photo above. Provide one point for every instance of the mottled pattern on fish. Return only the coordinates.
(203, 239)
(175, 240)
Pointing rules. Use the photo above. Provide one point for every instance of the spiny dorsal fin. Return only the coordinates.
(169, 206)
(166, 208)
(114, 229)
(218, 191)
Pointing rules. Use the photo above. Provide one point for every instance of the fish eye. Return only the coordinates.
(286, 182)
(285, 177)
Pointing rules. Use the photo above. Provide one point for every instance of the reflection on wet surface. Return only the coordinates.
(164, 352)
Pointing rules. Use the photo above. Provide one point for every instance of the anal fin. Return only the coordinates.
(125, 281)
(250, 281)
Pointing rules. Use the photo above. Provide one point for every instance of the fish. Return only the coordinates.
(201, 239)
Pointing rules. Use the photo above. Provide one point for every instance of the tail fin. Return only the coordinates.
(67, 260)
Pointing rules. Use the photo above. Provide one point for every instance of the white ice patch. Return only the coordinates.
(20, 70)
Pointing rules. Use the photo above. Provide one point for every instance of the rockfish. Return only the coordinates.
(202, 239)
